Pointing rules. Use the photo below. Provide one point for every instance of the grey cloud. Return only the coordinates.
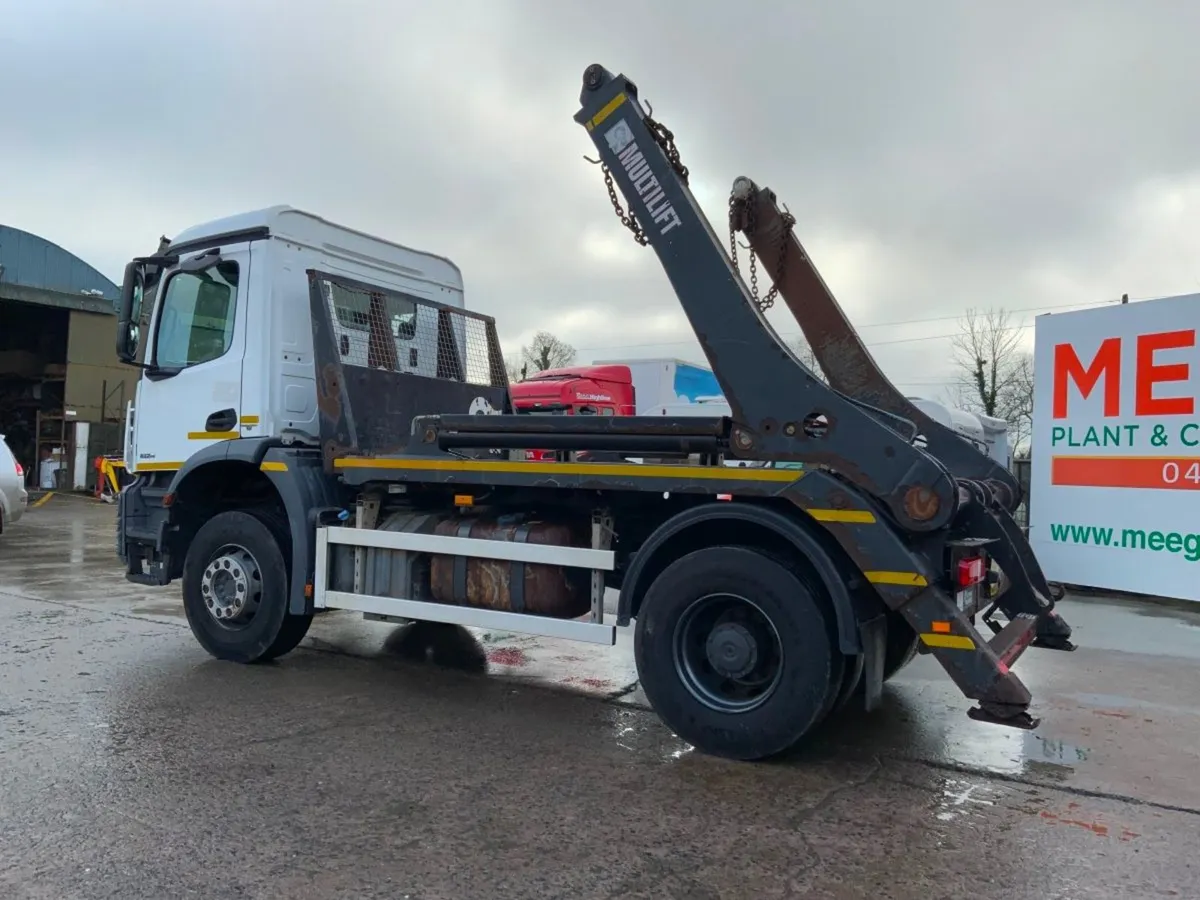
(971, 146)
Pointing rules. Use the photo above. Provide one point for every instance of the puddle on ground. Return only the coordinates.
(1051, 750)
(1014, 753)
(911, 725)
(633, 731)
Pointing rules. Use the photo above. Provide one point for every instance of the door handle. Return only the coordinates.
(225, 420)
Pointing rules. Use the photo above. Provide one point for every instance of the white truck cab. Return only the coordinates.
(229, 345)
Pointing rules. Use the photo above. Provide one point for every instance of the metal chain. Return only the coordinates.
(665, 139)
(629, 221)
(733, 245)
(789, 220)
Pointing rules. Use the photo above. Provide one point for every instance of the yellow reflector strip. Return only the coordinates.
(948, 641)
(158, 466)
(608, 109)
(212, 435)
(463, 500)
(904, 579)
(629, 470)
(856, 516)
(272, 466)
(249, 420)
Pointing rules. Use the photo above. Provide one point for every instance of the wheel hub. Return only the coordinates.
(727, 653)
(732, 650)
(231, 586)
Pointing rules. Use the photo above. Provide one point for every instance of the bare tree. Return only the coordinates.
(995, 374)
(800, 346)
(546, 351)
(1018, 405)
(517, 370)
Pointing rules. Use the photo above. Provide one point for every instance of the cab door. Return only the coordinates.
(189, 395)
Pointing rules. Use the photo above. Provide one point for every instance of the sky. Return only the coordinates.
(937, 155)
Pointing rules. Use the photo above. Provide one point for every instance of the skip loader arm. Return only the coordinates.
(838, 349)
(781, 411)
(858, 443)
(755, 212)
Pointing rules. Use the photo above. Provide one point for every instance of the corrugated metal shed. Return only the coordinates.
(31, 261)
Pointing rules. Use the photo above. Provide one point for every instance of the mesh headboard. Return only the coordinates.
(383, 357)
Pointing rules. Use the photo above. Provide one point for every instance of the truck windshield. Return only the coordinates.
(196, 317)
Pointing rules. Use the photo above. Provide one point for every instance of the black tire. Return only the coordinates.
(851, 684)
(270, 631)
(294, 628)
(779, 613)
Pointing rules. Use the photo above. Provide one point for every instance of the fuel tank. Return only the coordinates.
(556, 591)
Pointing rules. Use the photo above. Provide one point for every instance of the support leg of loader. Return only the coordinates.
(1029, 592)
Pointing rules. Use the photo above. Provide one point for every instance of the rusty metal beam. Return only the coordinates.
(839, 351)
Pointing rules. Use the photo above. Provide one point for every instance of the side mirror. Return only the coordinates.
(129, 331)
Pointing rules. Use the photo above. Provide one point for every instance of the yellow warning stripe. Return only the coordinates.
(272, 466)
(948, 641)
(249, 420)
(607, 110)
(853, 516)
(630, 470)
(902, 579)
(213, 435)
(158, 466)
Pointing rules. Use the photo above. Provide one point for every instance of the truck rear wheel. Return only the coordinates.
(235, 590)
(735, 653)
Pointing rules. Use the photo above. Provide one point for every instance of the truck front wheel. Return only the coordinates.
(235, 590)
(735, 653)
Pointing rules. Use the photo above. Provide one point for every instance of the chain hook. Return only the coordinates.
(788, 220)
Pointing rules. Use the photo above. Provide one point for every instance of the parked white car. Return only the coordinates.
(13, 497)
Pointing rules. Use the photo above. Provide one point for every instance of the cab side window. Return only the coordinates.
(197, 316)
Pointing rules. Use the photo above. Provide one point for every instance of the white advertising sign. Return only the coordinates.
(1115, 481)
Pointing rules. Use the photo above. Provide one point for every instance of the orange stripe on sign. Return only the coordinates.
(1140, 472)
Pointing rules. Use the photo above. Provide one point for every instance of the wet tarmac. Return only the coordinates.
(438, 763)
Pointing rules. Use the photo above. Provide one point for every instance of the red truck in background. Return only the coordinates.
(574, 391)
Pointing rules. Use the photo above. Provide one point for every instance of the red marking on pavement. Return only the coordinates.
(508, 656)
(1095, 826)
(599, 684)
